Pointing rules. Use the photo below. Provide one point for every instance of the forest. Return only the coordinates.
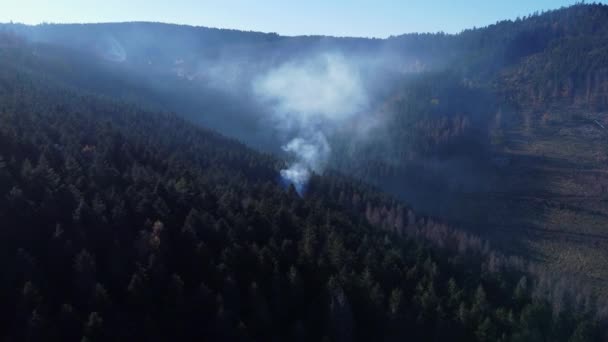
(124, 224)
(133, 208)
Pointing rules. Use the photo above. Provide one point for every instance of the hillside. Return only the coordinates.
(510, 141)
(121, 223)
(496, 129)
(115, 206)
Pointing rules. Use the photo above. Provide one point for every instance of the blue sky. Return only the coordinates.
(367, 18)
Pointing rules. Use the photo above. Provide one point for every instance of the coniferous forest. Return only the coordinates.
(124, 218)
(121, 224)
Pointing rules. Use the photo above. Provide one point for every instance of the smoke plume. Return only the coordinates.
(311, 154)
(310, 98)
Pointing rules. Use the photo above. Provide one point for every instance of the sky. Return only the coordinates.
(358, 18)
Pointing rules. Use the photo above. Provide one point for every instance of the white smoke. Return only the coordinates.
(310, 98)
(311, 154)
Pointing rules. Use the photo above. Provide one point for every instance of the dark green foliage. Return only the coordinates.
(120, 224)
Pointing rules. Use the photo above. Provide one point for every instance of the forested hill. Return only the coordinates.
(125, 224)
(569, 41)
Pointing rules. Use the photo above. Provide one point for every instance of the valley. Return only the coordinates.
(162, 181)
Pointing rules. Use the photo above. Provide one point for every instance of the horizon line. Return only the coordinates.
(441, 32)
